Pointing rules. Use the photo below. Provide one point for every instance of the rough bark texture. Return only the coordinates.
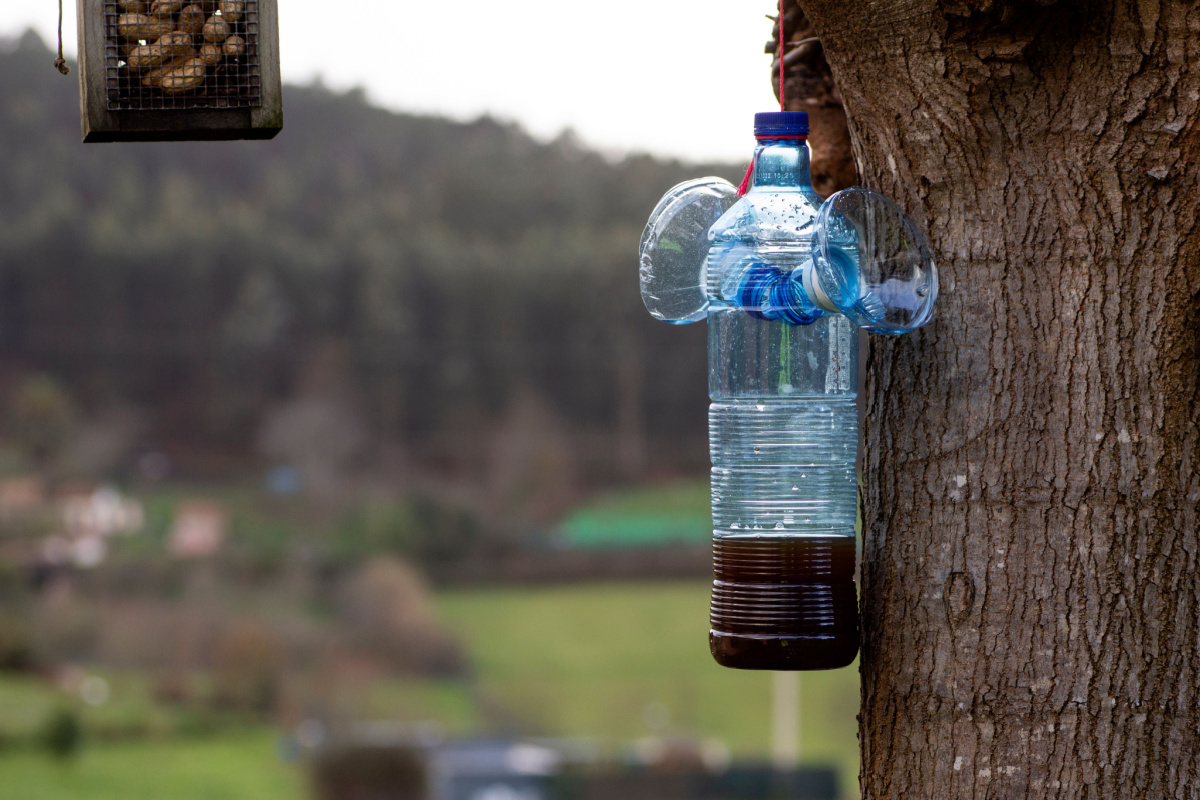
(1029, 593)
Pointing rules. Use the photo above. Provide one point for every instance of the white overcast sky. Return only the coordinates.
(672, 77)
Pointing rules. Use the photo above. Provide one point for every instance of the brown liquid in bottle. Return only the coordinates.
(784, 604)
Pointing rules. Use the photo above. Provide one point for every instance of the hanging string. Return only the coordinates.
(60, 62)
(782, 104)
(745, 184)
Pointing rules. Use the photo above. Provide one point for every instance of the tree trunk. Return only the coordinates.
(1029, 585)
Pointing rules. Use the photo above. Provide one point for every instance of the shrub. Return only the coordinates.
(387, 610)
(443, 533)
(62, 734)
(247, 669)
(369, 773)
(41, 417)
(16, 650)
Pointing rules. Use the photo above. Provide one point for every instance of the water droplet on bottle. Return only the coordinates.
(795, 488)
(778, 526)
(923, 290)
(758, 449)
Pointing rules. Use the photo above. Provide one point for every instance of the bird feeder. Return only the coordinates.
(176, 70)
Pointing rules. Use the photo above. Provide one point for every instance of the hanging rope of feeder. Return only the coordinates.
(782, 102)
(784, 60)
(60, 62)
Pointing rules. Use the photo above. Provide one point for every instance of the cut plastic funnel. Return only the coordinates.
(869, 261)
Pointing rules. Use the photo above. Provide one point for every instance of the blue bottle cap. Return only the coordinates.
(780, 123)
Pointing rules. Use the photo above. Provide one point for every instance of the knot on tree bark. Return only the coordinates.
(958, 594)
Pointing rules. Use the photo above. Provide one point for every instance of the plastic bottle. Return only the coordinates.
(783, 280)
(783, 430)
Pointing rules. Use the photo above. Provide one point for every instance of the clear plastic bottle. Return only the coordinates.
(783, 430)
(784, 280)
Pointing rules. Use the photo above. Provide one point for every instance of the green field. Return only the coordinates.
(236, 764)
(130, 712)
(581, 661)
(588, 660)
(242, 766)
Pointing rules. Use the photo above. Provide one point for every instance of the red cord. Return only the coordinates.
(782, 105)
(745, 184)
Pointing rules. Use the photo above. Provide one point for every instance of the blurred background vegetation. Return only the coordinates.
(364, 424)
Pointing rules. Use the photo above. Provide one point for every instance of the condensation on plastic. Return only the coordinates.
(874, 263)
(674, 249)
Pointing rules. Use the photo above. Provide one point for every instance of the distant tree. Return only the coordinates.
(41, 417)
(457, 264)
(63, 733)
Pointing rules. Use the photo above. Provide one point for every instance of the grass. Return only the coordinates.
(589, 660)
(240, 766)
(26, 703)
(581, 661)
(448, 703)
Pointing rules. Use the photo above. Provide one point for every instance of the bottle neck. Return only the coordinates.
(781, 164)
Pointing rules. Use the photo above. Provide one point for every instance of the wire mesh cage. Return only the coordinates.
(179, 69)
(168, 55)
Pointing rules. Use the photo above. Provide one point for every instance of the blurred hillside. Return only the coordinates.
(265, 410)
(371, 294)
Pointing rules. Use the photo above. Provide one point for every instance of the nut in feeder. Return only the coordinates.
(170, 70)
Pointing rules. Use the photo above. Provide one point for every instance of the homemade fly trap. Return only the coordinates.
(783, 279)
(173, 70)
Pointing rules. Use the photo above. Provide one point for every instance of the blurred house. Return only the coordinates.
(389, 762)
(90, 517)
(493, 770)
(199, 530)
(102, 512)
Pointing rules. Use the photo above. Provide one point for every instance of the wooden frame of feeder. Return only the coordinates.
(102, 124)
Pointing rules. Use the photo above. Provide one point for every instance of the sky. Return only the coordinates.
(671, 77)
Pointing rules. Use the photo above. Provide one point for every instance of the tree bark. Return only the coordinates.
(1029, 587)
